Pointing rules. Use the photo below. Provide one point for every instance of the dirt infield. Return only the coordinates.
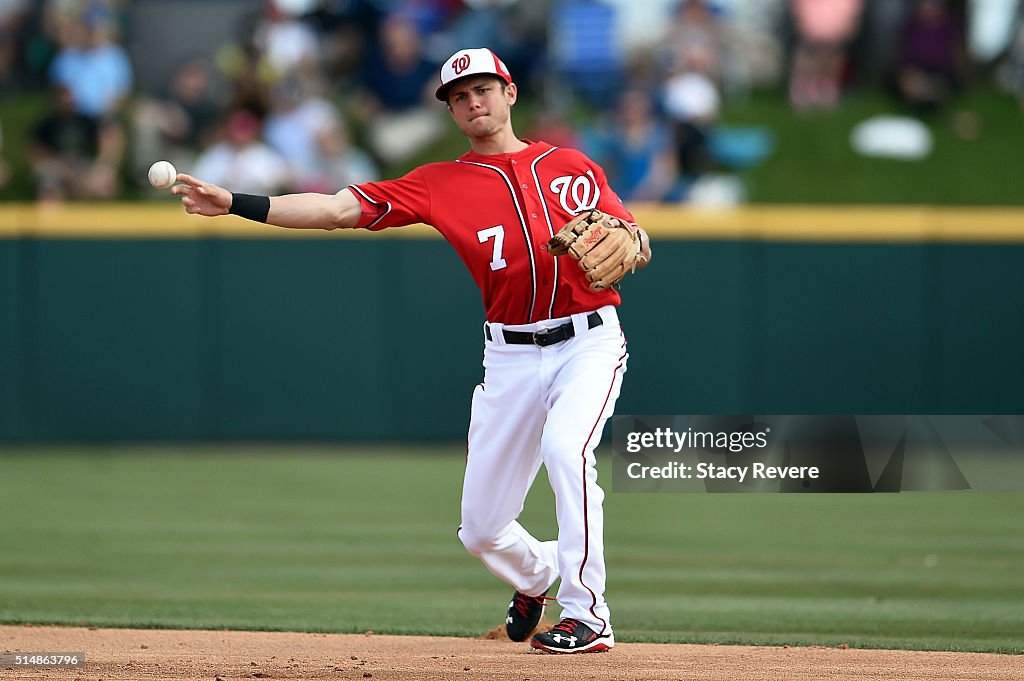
(114, 654)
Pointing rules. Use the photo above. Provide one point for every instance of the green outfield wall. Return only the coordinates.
(132, 324)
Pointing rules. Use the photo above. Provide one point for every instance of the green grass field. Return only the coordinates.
(815, 163)
(356, 539)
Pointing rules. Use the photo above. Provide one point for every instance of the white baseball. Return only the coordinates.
(162, 175)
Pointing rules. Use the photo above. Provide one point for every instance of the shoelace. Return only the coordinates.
(566, 626)
(523, 603)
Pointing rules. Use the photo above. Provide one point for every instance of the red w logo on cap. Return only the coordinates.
(461, 64)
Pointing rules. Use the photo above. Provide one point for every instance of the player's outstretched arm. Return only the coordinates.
(296, 211)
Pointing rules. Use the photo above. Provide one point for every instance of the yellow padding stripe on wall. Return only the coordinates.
(820, 224)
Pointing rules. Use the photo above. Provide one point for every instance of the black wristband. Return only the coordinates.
(250, 206)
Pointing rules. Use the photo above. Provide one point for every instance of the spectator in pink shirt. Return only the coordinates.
(824, 28)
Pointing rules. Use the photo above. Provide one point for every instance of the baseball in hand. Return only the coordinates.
(162, 175)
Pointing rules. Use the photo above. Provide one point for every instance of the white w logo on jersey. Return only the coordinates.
(581, 191)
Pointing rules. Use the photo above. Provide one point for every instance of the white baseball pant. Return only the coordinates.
(544, 405)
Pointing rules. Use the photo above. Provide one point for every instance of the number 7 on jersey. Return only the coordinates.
(498, 234)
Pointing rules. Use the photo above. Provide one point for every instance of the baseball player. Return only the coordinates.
(554, 353)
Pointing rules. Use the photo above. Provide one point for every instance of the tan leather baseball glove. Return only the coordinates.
(605, 246)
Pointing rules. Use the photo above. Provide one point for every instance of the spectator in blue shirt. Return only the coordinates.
(94, 67)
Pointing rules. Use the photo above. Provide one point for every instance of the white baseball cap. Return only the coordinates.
(472, 62)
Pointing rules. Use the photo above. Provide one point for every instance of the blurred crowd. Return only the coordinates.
(312, 95)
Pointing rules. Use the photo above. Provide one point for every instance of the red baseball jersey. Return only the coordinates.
(499, 212)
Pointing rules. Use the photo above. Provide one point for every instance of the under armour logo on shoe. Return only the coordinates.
(558, 638)
(572, 636)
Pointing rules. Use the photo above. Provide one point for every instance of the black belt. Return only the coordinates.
(545, 337)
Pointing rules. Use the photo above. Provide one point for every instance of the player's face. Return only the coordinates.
(480, 106)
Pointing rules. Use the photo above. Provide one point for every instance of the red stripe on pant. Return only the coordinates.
(586, 524)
